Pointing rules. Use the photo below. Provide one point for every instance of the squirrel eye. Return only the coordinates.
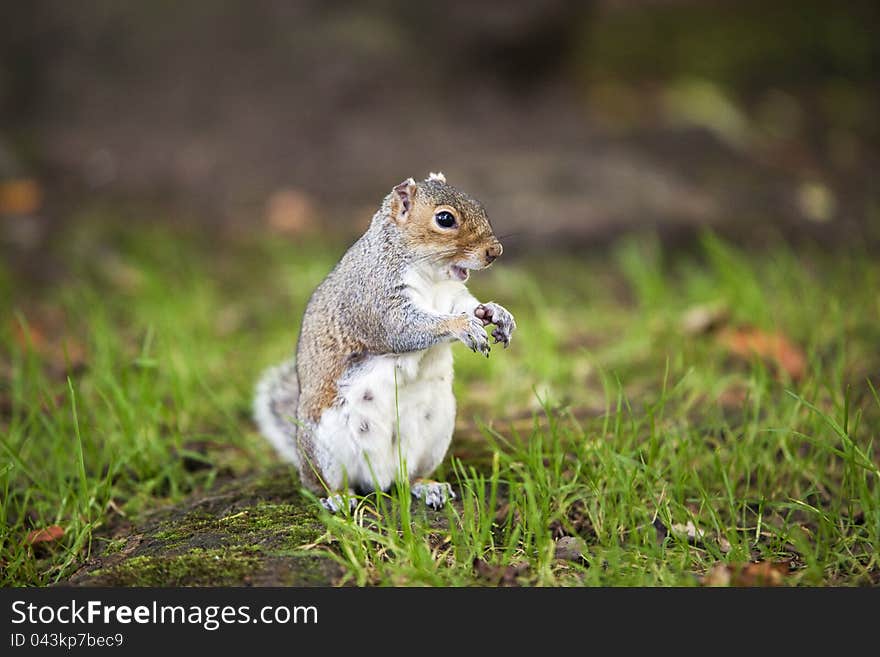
(444, 219)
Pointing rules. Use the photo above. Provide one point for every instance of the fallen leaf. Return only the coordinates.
(705, 318)
(45, 535)
(773, 347)
(290, 212)
(761, 573)
(20, 196)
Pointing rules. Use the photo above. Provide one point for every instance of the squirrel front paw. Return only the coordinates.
(492, 313)
(473, 334)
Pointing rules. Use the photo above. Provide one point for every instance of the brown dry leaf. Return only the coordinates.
(290, 212)
(20, 196)
(761, 573)
(45, 535)
(773, 347)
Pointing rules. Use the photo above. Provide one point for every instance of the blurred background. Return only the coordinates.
(687, 195)
(573, 121)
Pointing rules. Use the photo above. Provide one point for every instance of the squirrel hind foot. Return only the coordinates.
(435, 494)
(336, 503)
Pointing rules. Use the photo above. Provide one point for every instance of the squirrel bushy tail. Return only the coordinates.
(275, 408)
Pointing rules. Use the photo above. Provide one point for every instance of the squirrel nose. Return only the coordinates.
(494, 251)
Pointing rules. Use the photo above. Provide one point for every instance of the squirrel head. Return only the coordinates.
(443, 226)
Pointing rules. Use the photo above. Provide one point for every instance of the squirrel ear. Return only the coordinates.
(401, 202)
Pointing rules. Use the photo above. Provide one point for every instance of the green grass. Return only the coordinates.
(603, 420)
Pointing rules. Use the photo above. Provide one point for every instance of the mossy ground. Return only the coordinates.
(246, 532)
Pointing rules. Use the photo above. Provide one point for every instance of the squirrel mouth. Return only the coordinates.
(460, 273)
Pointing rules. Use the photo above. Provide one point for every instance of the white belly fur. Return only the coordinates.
(396, 412)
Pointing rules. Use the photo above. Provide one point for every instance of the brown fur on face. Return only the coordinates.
(471, 242)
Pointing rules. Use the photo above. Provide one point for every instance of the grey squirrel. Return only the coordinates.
(370, 388)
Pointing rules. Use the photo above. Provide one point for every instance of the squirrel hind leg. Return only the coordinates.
(275, 402)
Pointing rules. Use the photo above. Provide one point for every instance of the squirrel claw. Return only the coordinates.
(474, 336)
(492, 313)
